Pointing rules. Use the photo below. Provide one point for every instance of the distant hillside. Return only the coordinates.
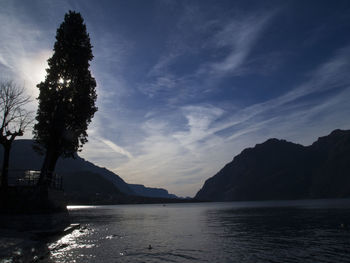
(82, 179)
(140, 189)
(277, 169)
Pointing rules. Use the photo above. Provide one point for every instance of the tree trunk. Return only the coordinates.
(48, 166)
(51, 167)
(5, 166)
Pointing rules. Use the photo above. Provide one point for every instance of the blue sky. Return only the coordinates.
(184, 86)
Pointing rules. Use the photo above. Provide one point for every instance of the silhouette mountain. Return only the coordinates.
(277, 169)
(83, 181)
(141, 190)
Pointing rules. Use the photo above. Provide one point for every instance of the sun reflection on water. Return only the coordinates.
(76, 207)
(63, 248)
(241, 232)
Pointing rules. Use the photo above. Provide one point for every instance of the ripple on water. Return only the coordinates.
(214, 232)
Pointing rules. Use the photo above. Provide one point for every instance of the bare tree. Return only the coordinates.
(14, 119)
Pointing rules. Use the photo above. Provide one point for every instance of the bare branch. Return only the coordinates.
(14, 119)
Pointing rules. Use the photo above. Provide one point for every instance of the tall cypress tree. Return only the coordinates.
(67, 96)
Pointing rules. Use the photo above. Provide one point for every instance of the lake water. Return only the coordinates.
(283, 231)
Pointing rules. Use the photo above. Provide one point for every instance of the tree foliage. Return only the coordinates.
(67, 96)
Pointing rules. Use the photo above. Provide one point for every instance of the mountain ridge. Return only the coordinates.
(97, 179)
(278, 169)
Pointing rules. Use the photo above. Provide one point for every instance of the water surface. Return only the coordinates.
(283, 231)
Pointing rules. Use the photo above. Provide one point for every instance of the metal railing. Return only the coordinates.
(18, 177)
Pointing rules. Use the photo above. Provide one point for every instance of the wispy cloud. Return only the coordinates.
(110, 52)
(239, 36)
(116, 148)
(226, 46)
(22, 52)
(330, 75)
(169, 152)
(170, 112)
(199, 121)
(213, 135)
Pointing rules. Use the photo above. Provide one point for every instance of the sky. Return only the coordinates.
(184, 86)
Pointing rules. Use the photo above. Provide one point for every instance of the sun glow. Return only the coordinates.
(33, 70)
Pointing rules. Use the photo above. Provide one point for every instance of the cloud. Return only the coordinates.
(32, 69)
(111, 50)
(182, 159)
(104, 152)
(328, 76)
(165, 83)
(199, 120)
(221, 49)
(164, 116)
(169, 154)
(22, 52)
(116, 148)
(239, 36)
(168, 157)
